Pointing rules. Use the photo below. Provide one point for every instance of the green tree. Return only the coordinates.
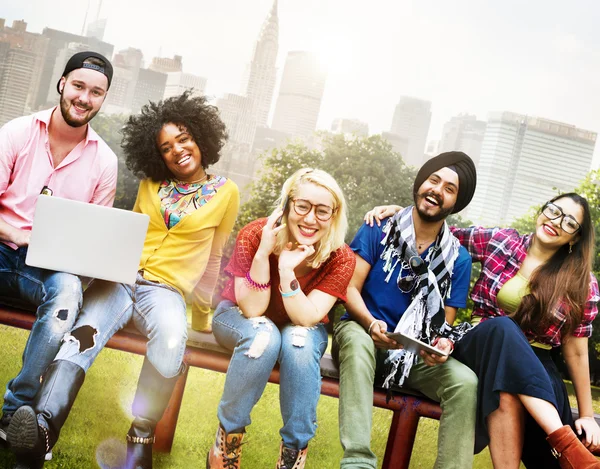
(366, 168)
(109, 128)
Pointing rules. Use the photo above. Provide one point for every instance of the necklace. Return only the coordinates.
(198, 181)
(423, 243)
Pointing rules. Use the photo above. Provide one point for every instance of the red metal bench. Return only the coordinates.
(204, 352)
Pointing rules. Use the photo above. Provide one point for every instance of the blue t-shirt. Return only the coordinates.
(385, 300)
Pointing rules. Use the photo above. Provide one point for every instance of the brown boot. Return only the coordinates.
(291, 458)
(226, 453)
(570, 452)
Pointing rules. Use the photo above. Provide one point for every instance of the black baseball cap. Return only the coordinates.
(77, 61)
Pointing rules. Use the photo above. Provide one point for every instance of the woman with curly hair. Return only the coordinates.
(192, 213)
(286, 273)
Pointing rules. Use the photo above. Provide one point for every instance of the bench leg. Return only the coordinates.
(401, 439)
(165, 430)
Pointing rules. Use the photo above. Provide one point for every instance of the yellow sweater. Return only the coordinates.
(188, 256)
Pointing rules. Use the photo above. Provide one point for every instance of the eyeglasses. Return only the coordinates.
(568, 223)
(417, 267)
(303, 207)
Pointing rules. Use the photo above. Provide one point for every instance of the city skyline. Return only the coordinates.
(466, 57)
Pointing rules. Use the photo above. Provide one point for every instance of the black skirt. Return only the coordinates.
(504, 361)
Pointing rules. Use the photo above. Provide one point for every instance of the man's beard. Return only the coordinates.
(443, 211)
(64, 110)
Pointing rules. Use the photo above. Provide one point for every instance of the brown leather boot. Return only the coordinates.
(570, 452)
(291, 458)
(226, 453)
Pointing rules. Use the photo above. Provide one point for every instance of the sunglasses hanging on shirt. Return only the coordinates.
(46, 191)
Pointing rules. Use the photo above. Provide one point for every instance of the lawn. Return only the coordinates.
(94, 435)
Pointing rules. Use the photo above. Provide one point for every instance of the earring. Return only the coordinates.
(570, 248)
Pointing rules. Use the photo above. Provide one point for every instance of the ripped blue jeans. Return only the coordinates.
(157, 310)
(57, 297)
(258, 344)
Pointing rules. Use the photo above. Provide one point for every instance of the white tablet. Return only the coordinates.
(414, 345)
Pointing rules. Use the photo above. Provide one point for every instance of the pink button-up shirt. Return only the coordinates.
(87, 174)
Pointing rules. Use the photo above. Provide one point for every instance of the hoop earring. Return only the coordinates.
(570, 248)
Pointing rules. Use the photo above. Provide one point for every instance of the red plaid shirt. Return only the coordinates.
(501, 252)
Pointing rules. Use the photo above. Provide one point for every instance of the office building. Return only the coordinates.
(21, 57)
(300, 95)
(178, 82)
(350, 127)
(166, 64)
(411, 122)
(524, 162)
(463, 133)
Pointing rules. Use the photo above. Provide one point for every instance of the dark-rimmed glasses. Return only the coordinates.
(568, 222)
(417, 267)
(303, 207)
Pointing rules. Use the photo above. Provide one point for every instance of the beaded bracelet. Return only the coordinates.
(289, 293)
(255, 285)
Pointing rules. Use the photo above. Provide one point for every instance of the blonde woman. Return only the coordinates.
(286, 273)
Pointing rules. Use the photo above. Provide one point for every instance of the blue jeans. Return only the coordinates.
(157, 311)
(257, 344)
(57, 297)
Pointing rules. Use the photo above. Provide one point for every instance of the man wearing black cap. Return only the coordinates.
(411, 276)
(52, 152)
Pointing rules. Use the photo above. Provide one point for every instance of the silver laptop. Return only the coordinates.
(86, 239)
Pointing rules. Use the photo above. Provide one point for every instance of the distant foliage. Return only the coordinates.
(366, 168)
(109, 128)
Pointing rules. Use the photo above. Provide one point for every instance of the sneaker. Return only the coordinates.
(291, 458)
(226, 453)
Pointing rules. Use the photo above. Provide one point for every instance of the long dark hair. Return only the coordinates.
(563, 279)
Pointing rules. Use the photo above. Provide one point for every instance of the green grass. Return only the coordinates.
(94, 434)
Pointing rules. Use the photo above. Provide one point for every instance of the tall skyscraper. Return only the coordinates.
(524, 160)
(300, 94)
(259, 82)
(411, 122)
(463, 133)
(21, 56)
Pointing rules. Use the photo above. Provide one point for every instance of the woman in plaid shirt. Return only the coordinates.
(543, 283)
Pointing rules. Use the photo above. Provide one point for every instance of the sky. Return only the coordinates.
(539, 57)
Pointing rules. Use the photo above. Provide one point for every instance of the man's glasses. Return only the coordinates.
(568, 223)
(417, 267)
(303, 207)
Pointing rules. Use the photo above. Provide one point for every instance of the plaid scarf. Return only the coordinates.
(425, 317)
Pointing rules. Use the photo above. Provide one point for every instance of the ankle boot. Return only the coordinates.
(570, 452)
(149, 404)
(291, 458)
(33, 431)
(226, 453)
